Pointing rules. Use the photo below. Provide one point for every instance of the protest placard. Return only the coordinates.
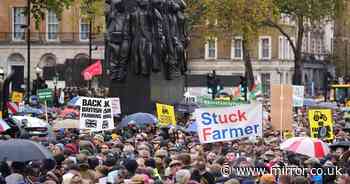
(281, 107)
(17, 97)
(229, 123)
(166, 115)
(321, 123)
(298, 96)
(96, 114)
(115, 103)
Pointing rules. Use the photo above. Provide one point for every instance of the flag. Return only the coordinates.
(3, 126)
(92, 70)
(12, 107)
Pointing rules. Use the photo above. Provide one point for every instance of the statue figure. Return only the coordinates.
(158, 41)
(118, 27)
(142, 38)
(145, 34)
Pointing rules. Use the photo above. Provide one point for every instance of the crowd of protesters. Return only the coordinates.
(152, 155)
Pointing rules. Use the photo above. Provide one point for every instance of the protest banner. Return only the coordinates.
(321, 123)
(17, 97)
(208, 102)
(282, 107)
(96, 114)
(115, 103)
(229, 123)
(166, 115)
(298, 96)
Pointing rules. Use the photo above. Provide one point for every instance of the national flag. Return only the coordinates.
(93, 70)
(12, 107)
(3, 126)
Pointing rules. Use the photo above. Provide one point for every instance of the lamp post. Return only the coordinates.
(28, 50)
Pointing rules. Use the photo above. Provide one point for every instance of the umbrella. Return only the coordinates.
(71, 112)
(306, 146)
(328, 105)
(22, 150)
(345, 144)
(75, 101)
(66, 123)
(309, 102)
(192, 127)
(138, 119)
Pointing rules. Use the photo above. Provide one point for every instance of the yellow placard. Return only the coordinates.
(348, 103)
(17, 97)
(166, 114)
(321, 123)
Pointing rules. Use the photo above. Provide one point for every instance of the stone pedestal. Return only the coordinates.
(139, 93)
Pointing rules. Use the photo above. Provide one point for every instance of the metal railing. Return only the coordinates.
(50, 38)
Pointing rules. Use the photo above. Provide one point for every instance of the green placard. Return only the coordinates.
(207, 102)
(45, 95)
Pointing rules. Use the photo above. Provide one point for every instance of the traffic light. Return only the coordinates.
(213, 84)
(243, 87)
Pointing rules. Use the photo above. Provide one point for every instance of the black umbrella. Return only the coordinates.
(345, 144)
(22, 150)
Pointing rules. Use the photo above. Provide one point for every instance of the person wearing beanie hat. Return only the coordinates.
(182, 176)
(131, 165)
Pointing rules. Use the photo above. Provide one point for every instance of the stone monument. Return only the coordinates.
(145, 52)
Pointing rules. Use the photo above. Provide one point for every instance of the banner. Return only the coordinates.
(115, 103)
(17, 97)
(321, 123)
(229, 123)
(208, 102)
(96, 114)
(92, 70)
(298, 96)
(166, 115)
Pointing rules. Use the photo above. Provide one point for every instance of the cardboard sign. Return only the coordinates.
(298, 96)
(45, 95)
(17, 97)
(115, 102)
(321, 123)
(96, 114)
(166, 115)
(229, 123)
(282, 107)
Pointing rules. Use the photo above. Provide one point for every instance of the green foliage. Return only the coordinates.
(39, 8)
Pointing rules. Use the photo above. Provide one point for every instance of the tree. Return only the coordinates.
(243, 18)
(306, 13)
(39, 7)
(90, 9)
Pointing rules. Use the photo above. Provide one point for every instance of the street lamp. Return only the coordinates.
(28, 50)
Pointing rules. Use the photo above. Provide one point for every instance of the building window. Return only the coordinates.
(52, 26)
(265, 83)
(313, 46)
(285, 50)
(237, 48)
(19, 20)
(84, 30)
(319, 46)
(265, 48)
(211, 48)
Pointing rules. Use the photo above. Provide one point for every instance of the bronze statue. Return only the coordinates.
(144, 35)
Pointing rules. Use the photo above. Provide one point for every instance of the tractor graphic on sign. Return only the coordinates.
(320, 118)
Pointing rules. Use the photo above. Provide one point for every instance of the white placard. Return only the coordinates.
(115, 103)
(229, 123)
(96, 114)
(298, 96)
